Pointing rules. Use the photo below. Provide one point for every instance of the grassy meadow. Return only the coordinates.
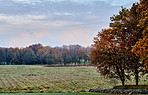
(29, 78)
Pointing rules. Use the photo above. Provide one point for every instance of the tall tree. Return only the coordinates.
(141, 47)
(125, 28)
(118, 42)
(109, 56)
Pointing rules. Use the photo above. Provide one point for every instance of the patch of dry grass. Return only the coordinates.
(24, 78)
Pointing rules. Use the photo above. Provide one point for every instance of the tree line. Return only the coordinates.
(39, 54)
(121, 50)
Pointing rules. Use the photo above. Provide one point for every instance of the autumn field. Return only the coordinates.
(34, 79)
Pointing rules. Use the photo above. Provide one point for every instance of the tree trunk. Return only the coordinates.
(122, 77)
(121, 74)
(136, 75)
(122, 82)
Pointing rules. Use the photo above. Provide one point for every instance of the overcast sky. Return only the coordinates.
(55, 22)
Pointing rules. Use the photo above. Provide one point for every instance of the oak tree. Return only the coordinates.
(141, 47)
(112, 47)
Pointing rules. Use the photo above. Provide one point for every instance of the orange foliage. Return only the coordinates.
(113, 54)
(141, 47)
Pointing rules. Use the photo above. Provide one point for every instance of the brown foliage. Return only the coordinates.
(112, 47)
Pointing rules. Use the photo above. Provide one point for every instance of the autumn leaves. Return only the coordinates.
(122, 50)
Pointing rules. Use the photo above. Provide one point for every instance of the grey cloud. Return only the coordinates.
(45, 7)
(63, 10)
(57, 18)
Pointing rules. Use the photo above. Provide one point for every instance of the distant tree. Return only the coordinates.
(42, 55)
(81, 56)
(36, 48)
(2, 56)
(29, 58)
(15, 56)
(66, 56)
(75, 47)
(74, 56)
(51, 56)
(39, 54)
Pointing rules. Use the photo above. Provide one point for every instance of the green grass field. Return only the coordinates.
(24, 78)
